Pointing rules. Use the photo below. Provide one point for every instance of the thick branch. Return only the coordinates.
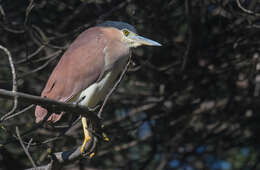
(50, 105)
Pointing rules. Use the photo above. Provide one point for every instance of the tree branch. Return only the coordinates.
(25, 148)
(246, 10)
(14, 88)
(51, 105)
(55, 106)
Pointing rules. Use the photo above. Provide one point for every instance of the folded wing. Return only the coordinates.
(76, 70)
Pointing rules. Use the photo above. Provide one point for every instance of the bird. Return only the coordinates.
(89, 68)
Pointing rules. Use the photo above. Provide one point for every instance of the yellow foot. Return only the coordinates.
(83, 147)
(87, 138)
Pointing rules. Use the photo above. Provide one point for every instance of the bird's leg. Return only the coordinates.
(86, 135)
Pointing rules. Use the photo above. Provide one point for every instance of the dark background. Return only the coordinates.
(191, 104)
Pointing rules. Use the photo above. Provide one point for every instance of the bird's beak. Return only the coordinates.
(144, 41)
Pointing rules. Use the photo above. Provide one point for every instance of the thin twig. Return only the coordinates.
(18, 113)
(72, 16)
(6, 28)
(28, 11)
(116, 8)
(2, 12)
(29, 143)
(14, 88)
(30, 56)
(246, 10)
(52, 55)
(114, 87)
(24, 148)
(41, 39)
(35, 127)
(190, 39)
(38, 68)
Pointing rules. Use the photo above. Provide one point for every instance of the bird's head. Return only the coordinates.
(128, 32)
(134, 40)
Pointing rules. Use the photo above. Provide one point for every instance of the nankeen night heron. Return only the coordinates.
(90, 67)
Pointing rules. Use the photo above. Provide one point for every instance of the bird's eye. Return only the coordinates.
(126, 32)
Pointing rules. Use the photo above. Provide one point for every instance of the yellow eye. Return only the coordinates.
(126, 32)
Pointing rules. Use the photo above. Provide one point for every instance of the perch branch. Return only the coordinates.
(51, 105)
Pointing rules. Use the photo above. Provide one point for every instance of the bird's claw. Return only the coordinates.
(89, 145)
(91, 137)
(86, 139)
(105, 137)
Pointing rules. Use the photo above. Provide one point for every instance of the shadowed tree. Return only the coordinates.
(191, 103)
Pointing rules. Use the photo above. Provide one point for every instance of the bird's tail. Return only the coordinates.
(41, 113)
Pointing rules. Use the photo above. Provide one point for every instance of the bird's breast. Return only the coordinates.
(95, 93)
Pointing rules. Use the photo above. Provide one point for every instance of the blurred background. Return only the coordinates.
(190, 104)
